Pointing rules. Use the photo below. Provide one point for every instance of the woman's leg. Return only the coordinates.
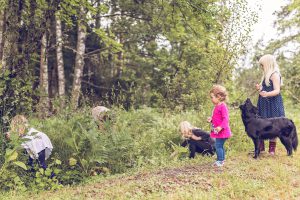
(262, 145)
(272, 146)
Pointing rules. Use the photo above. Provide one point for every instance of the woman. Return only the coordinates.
(270, 103)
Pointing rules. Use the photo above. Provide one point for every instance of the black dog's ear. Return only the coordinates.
(248, 101)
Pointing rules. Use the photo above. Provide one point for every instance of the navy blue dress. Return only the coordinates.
(269, 107)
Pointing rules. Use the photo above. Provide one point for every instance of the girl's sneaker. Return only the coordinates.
(218, 163)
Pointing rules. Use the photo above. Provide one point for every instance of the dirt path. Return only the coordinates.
(144, 183)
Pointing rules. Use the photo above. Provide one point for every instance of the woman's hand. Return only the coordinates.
(258, 87)
(264, 94)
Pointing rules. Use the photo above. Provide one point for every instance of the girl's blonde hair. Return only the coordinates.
(269, 67)
(220, 92)
(185, 128)
(18, 124)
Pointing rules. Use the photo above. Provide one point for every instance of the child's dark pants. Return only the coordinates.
(41, 160)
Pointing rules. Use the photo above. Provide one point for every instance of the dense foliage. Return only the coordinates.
(129, 140)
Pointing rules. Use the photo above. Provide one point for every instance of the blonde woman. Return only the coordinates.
(198, 140)
(270, 103)
(37, 144)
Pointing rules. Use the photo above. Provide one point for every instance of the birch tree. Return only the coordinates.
(79, 59)
(44, 80)
(59, 60)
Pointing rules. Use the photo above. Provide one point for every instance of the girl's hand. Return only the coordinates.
(218, 129)
(263, 94)
(209, 119)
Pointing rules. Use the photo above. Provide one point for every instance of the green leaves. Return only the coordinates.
(20, 164)
(11, 155)
(108, 39)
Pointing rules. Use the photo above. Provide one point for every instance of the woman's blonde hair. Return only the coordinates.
(220, 92)
(185, 128)
(269, 67)
(18, 124)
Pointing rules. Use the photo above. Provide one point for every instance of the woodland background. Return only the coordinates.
(151, 61)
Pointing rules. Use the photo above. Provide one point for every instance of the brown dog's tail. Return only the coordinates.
(294, 137)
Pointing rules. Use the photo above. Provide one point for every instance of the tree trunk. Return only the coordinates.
(44, 84)
(79, 61)
(60, 61)
(98, 16)
(120, 58)
(2, 28)
(11, 34)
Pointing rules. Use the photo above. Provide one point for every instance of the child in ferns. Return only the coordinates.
(37, 144)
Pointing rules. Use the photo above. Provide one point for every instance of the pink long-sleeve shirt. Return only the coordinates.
(220, 117)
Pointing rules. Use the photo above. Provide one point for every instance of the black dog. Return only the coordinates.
(259, 128)
(205, 146)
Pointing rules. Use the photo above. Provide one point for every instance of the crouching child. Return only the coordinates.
(37, 144)
(197, 140)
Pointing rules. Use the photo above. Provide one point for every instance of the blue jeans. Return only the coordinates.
(220, 148)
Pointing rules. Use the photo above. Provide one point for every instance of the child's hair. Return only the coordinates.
(18, 124)
(269, 66)
(185, 129)
(99, 113)
(220, 92)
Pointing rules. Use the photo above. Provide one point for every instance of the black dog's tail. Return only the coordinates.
(294, 137)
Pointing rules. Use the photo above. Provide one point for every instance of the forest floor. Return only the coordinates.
(242, 177)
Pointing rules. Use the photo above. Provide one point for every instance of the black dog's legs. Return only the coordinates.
(287, 144)
(256, 142)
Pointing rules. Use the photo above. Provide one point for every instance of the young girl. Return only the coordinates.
(219, 122)
(198, 140)
(270, 103)
(37, 144)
